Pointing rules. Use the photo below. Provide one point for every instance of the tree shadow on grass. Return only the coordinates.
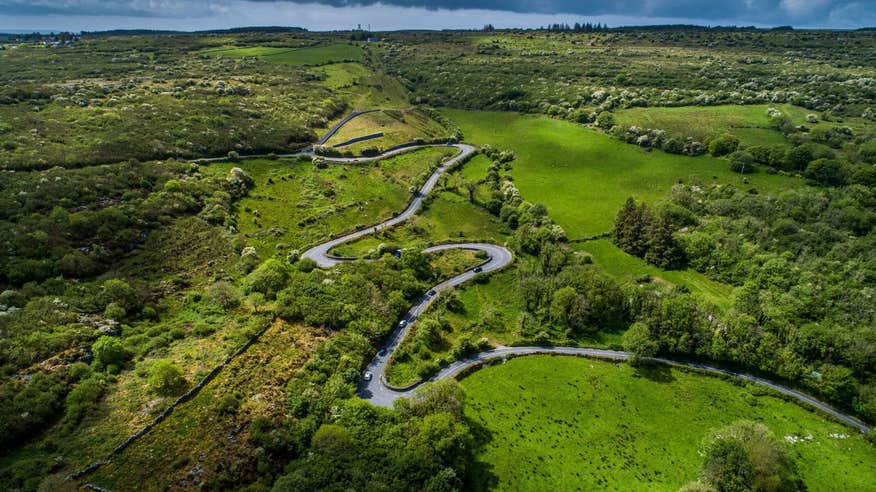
(480, 475)
(659, 373)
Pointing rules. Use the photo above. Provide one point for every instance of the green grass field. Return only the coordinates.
(344, 75)
(476, 168)
(627, 268)
(316, 55)
(750, 123)
(447, 218)
(398, 127)
(562, 423)
(584, 176)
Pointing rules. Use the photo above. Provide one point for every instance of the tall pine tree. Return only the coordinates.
(641, 233)
(631, 228)
(623, 224)
(663, 251)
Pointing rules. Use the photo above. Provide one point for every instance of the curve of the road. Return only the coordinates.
(379, 392)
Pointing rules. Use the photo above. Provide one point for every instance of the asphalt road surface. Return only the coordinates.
(320, 253)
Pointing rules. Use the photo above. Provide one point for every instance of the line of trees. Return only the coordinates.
(563, 27)
(577, 27)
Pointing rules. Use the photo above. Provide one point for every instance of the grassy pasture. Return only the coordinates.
(447, 218)
(452, 262)
(363, 87)
(398, 127)
(700, 122)
(343, 75)
(750, 123)
(552, 423)
(584, 176)
(491, 309)
(296, 204)
(316, 55)
(627, 268)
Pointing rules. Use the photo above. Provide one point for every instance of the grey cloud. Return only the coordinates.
(819, 13)
(721, 11)
(134, 8)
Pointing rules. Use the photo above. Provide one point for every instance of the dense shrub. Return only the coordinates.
(797, 310)
(827, 172)
(771, 155)
(83, 398)
(605, 120)
(867, 152)
(723, 145)
(741, 162)
(109, 353)
(224, 294)
(307, 265)
(121, 294)
(114, 311)
(269, 278)
(797, 158)
(746, 456)
(165, 378)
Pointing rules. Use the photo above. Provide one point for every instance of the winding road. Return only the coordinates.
(379, 392)
(320, 253)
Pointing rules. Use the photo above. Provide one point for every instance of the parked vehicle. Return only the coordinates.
(368, 376)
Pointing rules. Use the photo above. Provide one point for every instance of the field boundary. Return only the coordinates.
(188, 395)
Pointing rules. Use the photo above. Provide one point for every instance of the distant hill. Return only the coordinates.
(234, 30)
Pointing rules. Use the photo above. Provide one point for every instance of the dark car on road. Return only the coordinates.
(478, 269)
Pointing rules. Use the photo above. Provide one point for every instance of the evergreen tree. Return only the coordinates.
(641, 225)
(622, 227)
(662, 249)
(631, 228)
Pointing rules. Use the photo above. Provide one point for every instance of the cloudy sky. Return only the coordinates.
(432, 14)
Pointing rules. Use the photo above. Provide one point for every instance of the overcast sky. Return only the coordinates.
(431, 14)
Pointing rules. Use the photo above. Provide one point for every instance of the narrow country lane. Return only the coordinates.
(379, 392)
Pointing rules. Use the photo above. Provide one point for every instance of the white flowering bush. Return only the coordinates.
(249, 252)
(239, 179)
